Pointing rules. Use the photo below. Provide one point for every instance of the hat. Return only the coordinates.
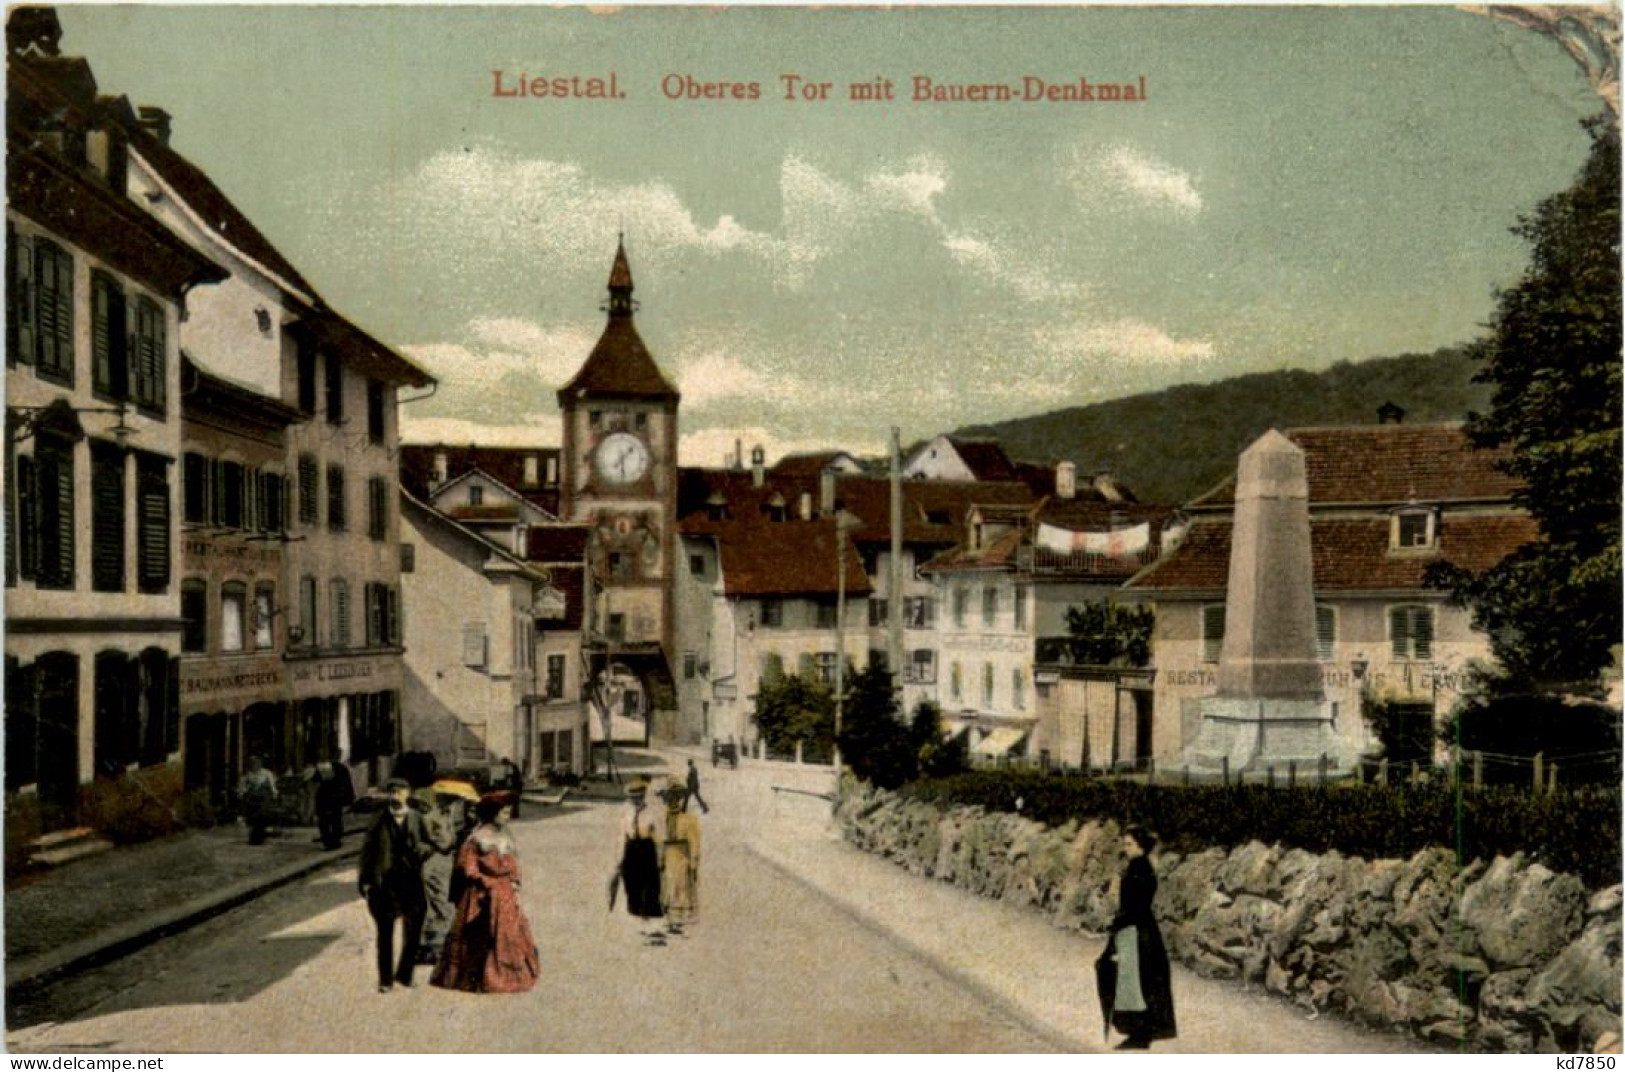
(640, 784)
(454, 787)
(493, 802)
(396, 783)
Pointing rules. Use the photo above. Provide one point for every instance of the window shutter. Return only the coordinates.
(101, 350)
(157, 344)
(154, 538)
(372, 615)
(1325, 632)
(307, 490)
(56, 517)
(28, 519)
(335, 498)
(107, 521)
(1399, 627)
(1422, 632)
(172, 707)
(474, 644)
(45, 305)
(393, 625)
(341, 614)
(1212, 632)
(21, 336)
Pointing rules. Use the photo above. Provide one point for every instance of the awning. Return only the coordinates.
(999, 742)
(954, 732)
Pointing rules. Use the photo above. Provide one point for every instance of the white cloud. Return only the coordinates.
(1132, 341)
(713, 447)
(499, 347)
(543, 430)
(709, 377)
(1124, 173)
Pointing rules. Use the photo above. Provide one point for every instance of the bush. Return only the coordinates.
(875, 742)
(133, 807)
(1576, 831)
(1582, 738)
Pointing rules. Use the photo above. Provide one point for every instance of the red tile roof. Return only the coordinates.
(620, 366)
(505, 464)
(986, 458)
(1390, 463)
(1348, 555)
(806, 466)
(766, 558)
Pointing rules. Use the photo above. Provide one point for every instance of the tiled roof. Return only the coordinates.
(1348, 555)
(620, 366)
(504, 464)
(557, 543)
(934, 511)
(1001, 554)
(985, 458)
(484, 512)
(1094, 515)
(1390, 463)
(806, 466)
(766, 558)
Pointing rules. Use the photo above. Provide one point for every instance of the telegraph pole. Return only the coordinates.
(894, 585)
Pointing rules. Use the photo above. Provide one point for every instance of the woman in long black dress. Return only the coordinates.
(1143, 1006)
(639, 871)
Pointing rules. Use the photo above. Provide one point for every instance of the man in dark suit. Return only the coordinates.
(392, 883)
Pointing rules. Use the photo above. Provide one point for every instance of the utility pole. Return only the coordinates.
(894, 585)
(840, 634)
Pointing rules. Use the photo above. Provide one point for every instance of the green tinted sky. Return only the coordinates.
(1302, 186)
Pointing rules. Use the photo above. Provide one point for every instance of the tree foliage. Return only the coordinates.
(1109, 634)
(794, 709)
(884, 749)
(1552, 609)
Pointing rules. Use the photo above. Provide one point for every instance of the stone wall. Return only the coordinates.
(1503, 956)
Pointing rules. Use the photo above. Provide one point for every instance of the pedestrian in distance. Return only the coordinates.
(490, 949)
(639, 869)
(1135, 979)
(694, 787)
(392, 883)
(257, 792)
(335, 792)
(440, 834)
(680, 861)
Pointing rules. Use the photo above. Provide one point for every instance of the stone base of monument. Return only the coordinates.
(1256, 735)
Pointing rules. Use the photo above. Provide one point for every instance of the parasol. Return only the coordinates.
(453, 787)
(1106, 986)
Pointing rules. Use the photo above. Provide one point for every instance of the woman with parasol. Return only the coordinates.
(490, 949)
(1136, 994)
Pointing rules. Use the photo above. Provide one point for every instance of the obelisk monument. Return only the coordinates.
(1270, 709)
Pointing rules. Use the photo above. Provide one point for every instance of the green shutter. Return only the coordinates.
(55, 477)
(153, 548)
(1212, 632)
(107, 521)
(1399, 625)
(28, 517)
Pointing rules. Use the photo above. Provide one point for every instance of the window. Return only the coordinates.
(305, 355)
(233, 599)
(1018, 689)
(691, 666)
(106, 518)
(616, 627)
(158, 705)
(377, 507)
(54, 544)
(474, 644)
(824, 664)
(149, 356)
(620, 565)
(532, 470)
(335, 389)
(195, 489)
(109, 339)
(918, 612)
(52, 320)
(1212, 632)
(375, 411)
(1021, 608)
(771, 667)
(307, 611)
(383, 617)
(961, 605)
(1411, 628)
(555, 677)
(1325, 632)
(956, 682)
(921, 668)
(552, 469)
(152, 522)
(230, 495)
(827, 612)
(990, 604)
(1414, 529)
(877, 612)
(335, 498)
(987, 684)
(409, 558)
(117, 744)
(696, 565)
(476, 495)
(772, 614)
(195, 615)
(309, 492)
(338, 598)
(272, 494)
(264, 616)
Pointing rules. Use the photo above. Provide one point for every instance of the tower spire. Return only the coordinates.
(620, 281)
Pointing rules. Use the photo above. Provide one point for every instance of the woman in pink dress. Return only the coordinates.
(490, 949)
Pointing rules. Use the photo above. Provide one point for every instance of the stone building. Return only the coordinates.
(94, 299)
(1386, 501)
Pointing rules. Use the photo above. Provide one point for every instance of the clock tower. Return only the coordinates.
(620, 478)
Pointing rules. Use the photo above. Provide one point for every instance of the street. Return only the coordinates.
(771, 966)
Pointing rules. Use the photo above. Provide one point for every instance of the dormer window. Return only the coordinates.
(777, 508)
(532, 470)
(1414, 529)
(476, 496)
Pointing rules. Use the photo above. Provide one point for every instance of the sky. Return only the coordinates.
(1299, 186)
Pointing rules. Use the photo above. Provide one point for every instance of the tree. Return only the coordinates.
(937, 758)
(1552, 609)
(874, 740)
(793, 709)
(1109, 634)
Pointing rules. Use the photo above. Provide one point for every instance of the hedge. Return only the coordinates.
(1573, 831)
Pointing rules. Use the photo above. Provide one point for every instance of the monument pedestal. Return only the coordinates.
(1255, 734)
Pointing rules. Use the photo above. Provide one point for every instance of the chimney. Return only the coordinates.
(33, 30)
(155, 121)
(1388, 413)
(758, 466)
(439, 475)
(826, 492)
(1066, 481)
(806, 506)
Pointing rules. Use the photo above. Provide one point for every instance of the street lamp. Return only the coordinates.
(23, 421)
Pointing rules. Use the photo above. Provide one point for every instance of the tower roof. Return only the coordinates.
(620, 366)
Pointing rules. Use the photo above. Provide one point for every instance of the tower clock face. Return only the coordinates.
(621, 458)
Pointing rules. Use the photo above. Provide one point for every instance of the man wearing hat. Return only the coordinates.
(392, 882)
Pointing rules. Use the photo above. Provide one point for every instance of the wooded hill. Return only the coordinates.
(1174, 444)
